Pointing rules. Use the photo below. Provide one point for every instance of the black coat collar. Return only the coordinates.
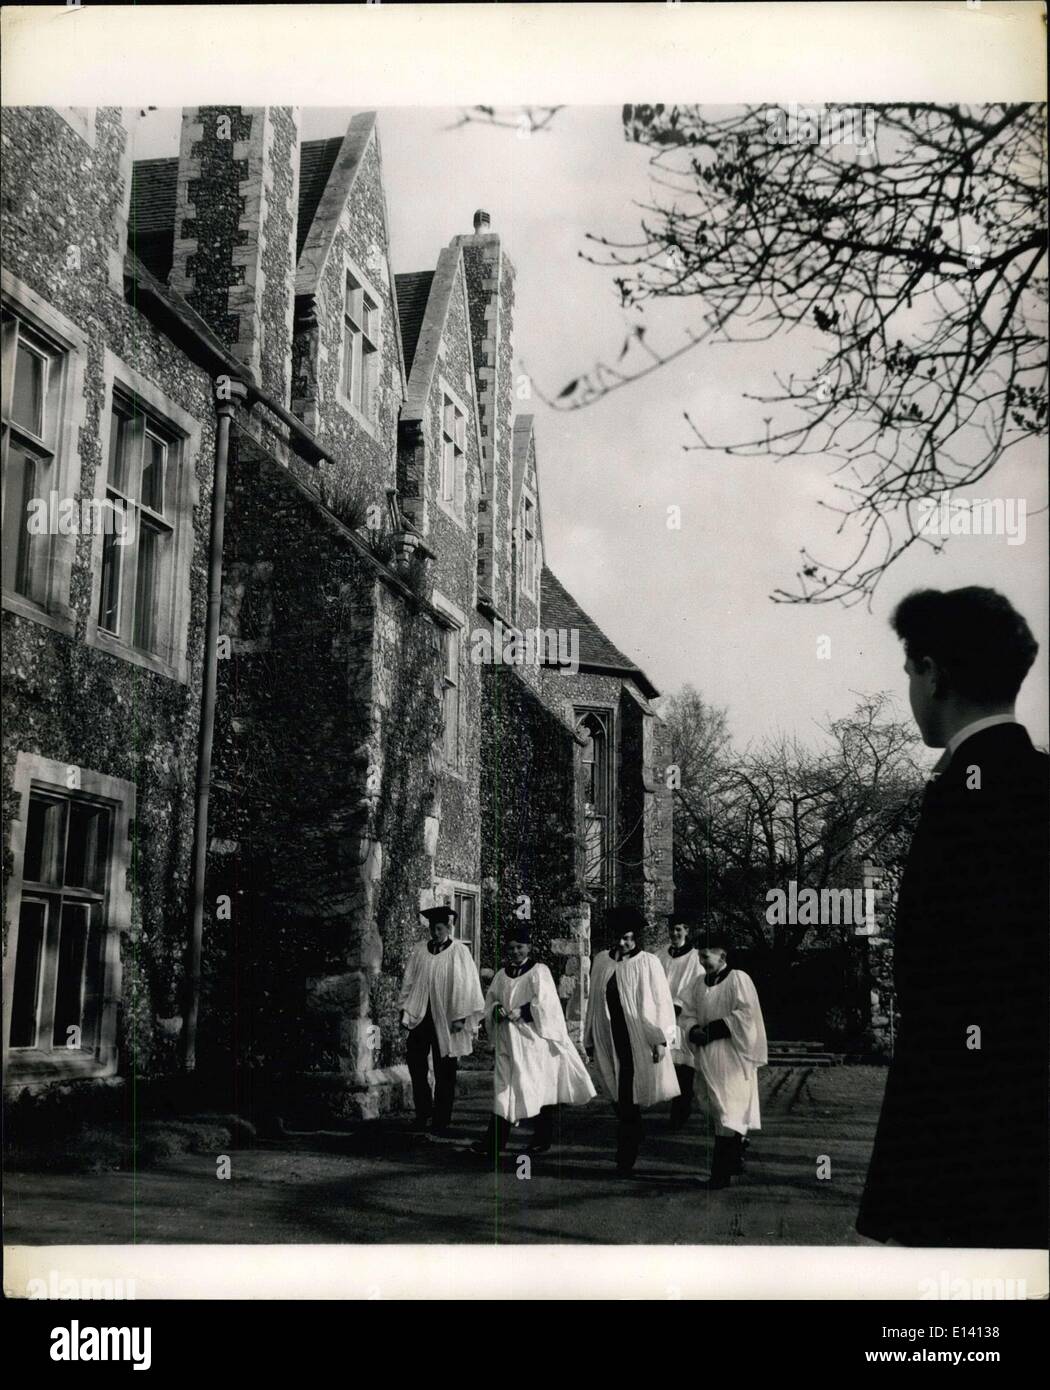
(726, 969)
(436, 949)
(513, 971)
(676, 951)
(1000, 742)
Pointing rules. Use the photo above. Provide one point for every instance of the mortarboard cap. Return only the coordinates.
(625, 918)
(441, 913)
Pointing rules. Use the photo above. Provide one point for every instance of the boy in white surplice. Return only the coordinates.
(631, 1029)
(682, 967)
(537, 1067)
(441, 1006)
(723, 1020)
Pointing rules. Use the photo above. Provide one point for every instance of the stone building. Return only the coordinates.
(403, 705)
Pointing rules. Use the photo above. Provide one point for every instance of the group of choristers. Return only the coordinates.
(666, 1026)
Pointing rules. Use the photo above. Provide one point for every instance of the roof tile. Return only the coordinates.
(560, 609)
(413, 292)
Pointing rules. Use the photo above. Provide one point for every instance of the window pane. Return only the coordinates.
(461, 430)
(25, 998)
(69, 984)
(370, 318)
(23, 553)
(352, 366)
(348, 359)
(146, 580)
(369, 368)
(118, 451)
(27, 400)
(93, 978)
(360, 374)
(595, 849)
(45, 840)
(353, 302)
(448, 470)
(450, 701)
(109, 597)
(452, 657)
(87, 846)
(464, 905)
(154, 454)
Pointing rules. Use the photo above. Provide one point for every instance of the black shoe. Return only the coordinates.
(538, 1148)
(736, 1156)
(721, 1164)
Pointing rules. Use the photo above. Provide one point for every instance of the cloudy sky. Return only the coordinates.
(690, 605)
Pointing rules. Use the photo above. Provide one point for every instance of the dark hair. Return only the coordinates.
(713, 946)
(983, 644)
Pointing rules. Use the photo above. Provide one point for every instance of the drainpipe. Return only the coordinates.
(233, 392)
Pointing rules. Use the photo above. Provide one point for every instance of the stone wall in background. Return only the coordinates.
(64, 220)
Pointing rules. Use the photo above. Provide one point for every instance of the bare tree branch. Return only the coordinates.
(916, 254)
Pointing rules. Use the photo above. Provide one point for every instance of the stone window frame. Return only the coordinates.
(456, 513)
(80, 119)
(351, 268)
(609, 715)
(457, 624)
(33, 772)
(188, 431)
(71, 343)
(448, 889)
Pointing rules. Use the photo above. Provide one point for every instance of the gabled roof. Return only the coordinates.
(413, 292)
(332, 175)
(154, 183)
(522, 438)
(316, 161)
(427, 296)
(522, 435)
(560, 610)
(151, 219)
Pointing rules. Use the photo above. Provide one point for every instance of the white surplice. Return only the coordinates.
(536, 1063)
(682, 973)
(448, 982)
(645, 997)
(727, 1069)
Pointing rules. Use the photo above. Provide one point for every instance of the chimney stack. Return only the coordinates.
(237, 203)
(490, 297)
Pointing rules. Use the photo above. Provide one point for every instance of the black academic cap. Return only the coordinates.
(441, 913)
(625, 918)
(521, 931)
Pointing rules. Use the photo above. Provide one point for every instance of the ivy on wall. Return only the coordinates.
(528, 802)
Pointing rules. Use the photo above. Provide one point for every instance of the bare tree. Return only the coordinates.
(910, 242)
(526, 120)
(749, 822)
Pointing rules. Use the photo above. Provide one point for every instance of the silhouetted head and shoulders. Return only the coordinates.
(967, 653)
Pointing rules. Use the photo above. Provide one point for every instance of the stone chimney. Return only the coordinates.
(235, 223)
(490, 296)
